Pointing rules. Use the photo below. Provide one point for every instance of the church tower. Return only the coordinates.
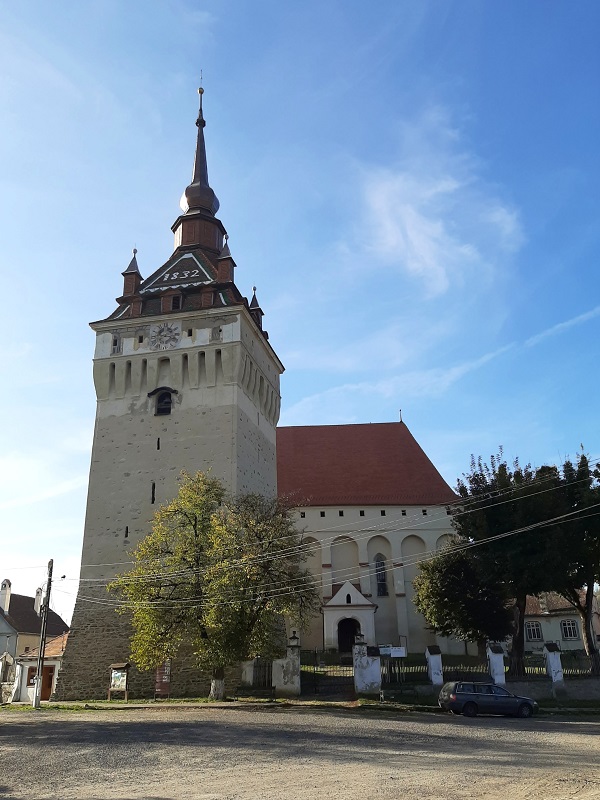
(185, 379)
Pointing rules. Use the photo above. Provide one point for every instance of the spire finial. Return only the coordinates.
(200, 121)
(135, 251)
(198, 196)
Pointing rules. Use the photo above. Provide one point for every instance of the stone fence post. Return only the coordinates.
(435, 670)
(367, 669)
(495, 656)
(286, 671)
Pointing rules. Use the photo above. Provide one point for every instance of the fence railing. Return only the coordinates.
(468, 670)
(397, 671)
(576, 664)
(531, 667)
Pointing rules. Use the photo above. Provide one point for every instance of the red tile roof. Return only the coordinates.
(373, 464)
(54, 648)
(549, 603)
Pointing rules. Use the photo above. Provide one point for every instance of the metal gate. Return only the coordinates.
(327, 674)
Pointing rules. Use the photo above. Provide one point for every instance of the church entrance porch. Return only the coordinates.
(326, 673)
(348, 630)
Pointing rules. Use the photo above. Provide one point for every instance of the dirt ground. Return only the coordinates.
(250, 752)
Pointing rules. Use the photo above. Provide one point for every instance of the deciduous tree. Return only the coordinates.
(216, 574)
(459, 599)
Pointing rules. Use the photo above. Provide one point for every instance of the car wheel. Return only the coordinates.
(470, 710)
(525, 711)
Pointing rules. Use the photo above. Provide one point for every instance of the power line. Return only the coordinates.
(303, 548)
(283, 591)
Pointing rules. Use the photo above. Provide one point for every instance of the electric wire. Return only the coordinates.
(285, 591)
(305, 549)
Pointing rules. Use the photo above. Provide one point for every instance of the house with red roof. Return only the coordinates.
(372, 506)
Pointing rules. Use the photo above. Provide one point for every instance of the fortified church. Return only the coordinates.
(186, 379)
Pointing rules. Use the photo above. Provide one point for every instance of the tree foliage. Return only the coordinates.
(217, 574)
(535, 530)
(458, 599)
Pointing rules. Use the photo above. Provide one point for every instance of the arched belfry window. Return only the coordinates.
(163, 403)
(163, 399)
(381, 576)
(348, 599)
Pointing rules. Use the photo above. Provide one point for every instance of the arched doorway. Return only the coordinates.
(347, 630)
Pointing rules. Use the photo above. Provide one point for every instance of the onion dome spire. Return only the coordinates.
(198, 196)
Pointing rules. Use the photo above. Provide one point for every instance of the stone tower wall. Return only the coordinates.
(225, 408)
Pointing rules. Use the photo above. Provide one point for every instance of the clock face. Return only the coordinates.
(164, 336)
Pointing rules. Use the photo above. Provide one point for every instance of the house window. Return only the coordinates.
(533, 631)
(361, 513)
(380, 576)
(424, 512)
(569, 629)
(303, 514)
(322, 513)
(403, 512)
(163, 403)
(382, 512)
(175, 303)
(340, 513)
(31, 675)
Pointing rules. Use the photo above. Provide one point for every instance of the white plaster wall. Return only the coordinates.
(551, 632)
(396, 616)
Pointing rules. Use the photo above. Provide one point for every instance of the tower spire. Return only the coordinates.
(198, 196)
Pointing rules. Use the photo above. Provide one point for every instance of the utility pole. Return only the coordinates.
(44, 614)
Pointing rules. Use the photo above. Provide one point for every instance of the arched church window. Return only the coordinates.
(380, 575)
(163, 403)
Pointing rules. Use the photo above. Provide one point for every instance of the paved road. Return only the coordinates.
(241, 752)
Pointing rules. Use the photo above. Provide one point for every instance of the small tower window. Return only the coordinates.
(163, 404)
(381, 576)
(348, 599)
(116, 343)
(175, 303)
(153, 493)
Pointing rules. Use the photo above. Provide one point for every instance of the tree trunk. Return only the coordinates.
(517, 666)
(217, 684)
(586, 613)
(482, 648)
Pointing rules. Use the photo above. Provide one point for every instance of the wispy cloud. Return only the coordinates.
(339, 404)
(561, 327)
(434, 216)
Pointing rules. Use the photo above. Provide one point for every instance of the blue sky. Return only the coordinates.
(412, 186)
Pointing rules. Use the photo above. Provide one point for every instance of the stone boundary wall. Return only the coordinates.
(100, 637)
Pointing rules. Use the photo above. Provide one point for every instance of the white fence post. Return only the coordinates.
(286, 671)
(554, 667)
(495, 656)
(367, 669)
(435, 669)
